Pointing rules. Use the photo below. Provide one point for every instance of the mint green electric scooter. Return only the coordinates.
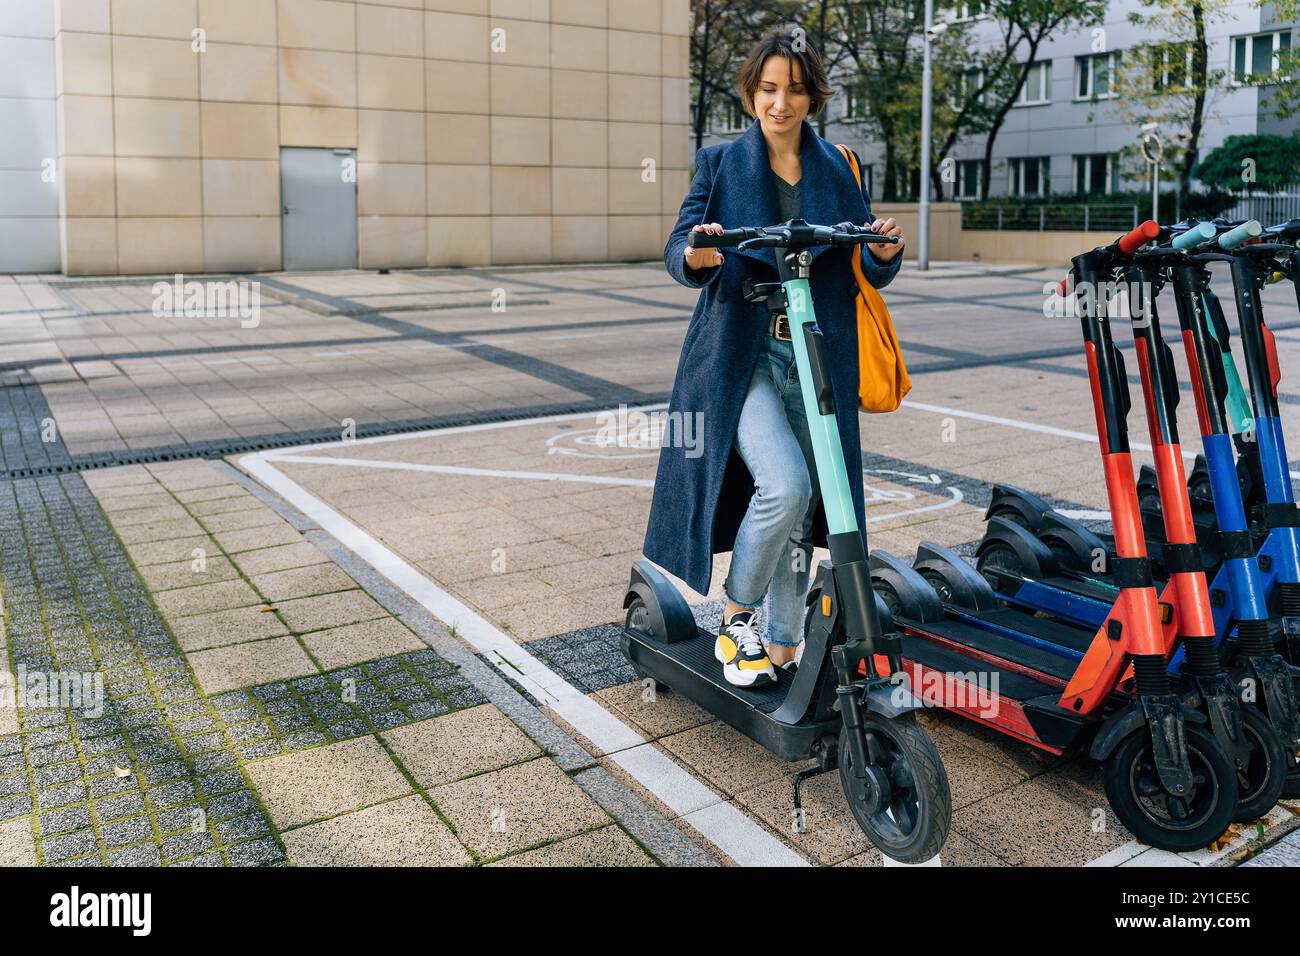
(837, 707)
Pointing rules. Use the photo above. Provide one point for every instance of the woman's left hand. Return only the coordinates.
(886, 252)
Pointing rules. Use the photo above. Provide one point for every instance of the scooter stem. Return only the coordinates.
(847, 542)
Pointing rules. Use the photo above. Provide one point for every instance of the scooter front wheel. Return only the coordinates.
(1263, 780)
(1291, 789)
(911, 823)
(1177, 824)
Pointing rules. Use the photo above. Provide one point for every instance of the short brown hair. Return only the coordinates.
(791, 43)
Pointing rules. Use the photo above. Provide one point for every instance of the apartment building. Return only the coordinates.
(160, 136)
(1065, 134)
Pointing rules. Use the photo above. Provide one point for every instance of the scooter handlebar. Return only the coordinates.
(1198, 234)
(843, 234)
(728, 237)
(1133, 241)
(1285, 231)
(851, 234)
(1235, 237)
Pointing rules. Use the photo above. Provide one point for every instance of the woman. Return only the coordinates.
(754, 489)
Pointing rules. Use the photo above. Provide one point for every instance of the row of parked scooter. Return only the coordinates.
(1167, 649)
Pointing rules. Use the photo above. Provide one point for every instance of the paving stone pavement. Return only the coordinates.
(288, 647)
(1285, 852)
(154, 771)
(149, 772)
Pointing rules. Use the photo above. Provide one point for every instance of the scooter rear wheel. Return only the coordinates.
(999, 556)
(638, 619)
(1156, 818)
(914, 825)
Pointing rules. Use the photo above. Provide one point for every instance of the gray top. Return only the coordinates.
(787, 198)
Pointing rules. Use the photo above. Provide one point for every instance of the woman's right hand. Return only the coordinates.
(704, 258)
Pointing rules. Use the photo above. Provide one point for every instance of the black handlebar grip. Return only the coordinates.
(708, 240)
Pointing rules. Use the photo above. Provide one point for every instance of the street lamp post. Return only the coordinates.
(927, 94)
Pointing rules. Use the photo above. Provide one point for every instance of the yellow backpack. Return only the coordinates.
(883, 375)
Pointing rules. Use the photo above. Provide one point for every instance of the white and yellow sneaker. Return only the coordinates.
(740, 651)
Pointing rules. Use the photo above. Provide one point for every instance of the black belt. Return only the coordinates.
(780, 327)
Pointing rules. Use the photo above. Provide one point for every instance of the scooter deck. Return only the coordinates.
(1045, 645)
(949, 668)
(688, 667)
(1079, 601)
(1083, 587)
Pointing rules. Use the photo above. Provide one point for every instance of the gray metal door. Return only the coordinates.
(319, 196)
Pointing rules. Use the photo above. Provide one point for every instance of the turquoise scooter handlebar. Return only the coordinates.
(1197, 235)
(1235, 237)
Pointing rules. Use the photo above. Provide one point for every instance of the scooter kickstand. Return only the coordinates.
(826, 759)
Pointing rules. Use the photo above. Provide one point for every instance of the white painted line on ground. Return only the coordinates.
(1035, 427)
(1008, 422)
(722, 824)
(1134, 853)
(733, 833)
(1154, 857)
(1119, 855)
(454, 430)
(461, 470)
(725, 826)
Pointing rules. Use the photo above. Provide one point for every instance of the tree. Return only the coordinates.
(821, 25)
(969, 84)
(880, 38)
(1169, 81)
(722, 33)
(1270, 163)
(1024, 25)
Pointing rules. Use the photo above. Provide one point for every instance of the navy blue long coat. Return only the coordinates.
(699, 501)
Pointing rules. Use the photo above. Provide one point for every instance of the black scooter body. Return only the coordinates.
(796, 717)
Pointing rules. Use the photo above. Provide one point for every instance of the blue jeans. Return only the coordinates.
(773, 547)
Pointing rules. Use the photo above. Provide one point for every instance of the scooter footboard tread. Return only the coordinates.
(935, 657)
(1005, 700)
(697, 656)
(1062, 635)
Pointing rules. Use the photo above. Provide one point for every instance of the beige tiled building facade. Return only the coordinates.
(469, 132)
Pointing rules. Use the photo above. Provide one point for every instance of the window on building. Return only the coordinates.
(1038, 85)
(970, 175)
(730, 118)
(1258, 55)
(1093, 76)
(1171, 65)
(855, 101)
(968, 10)
(1029, 176)
(1095, 173)
(967, 82)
